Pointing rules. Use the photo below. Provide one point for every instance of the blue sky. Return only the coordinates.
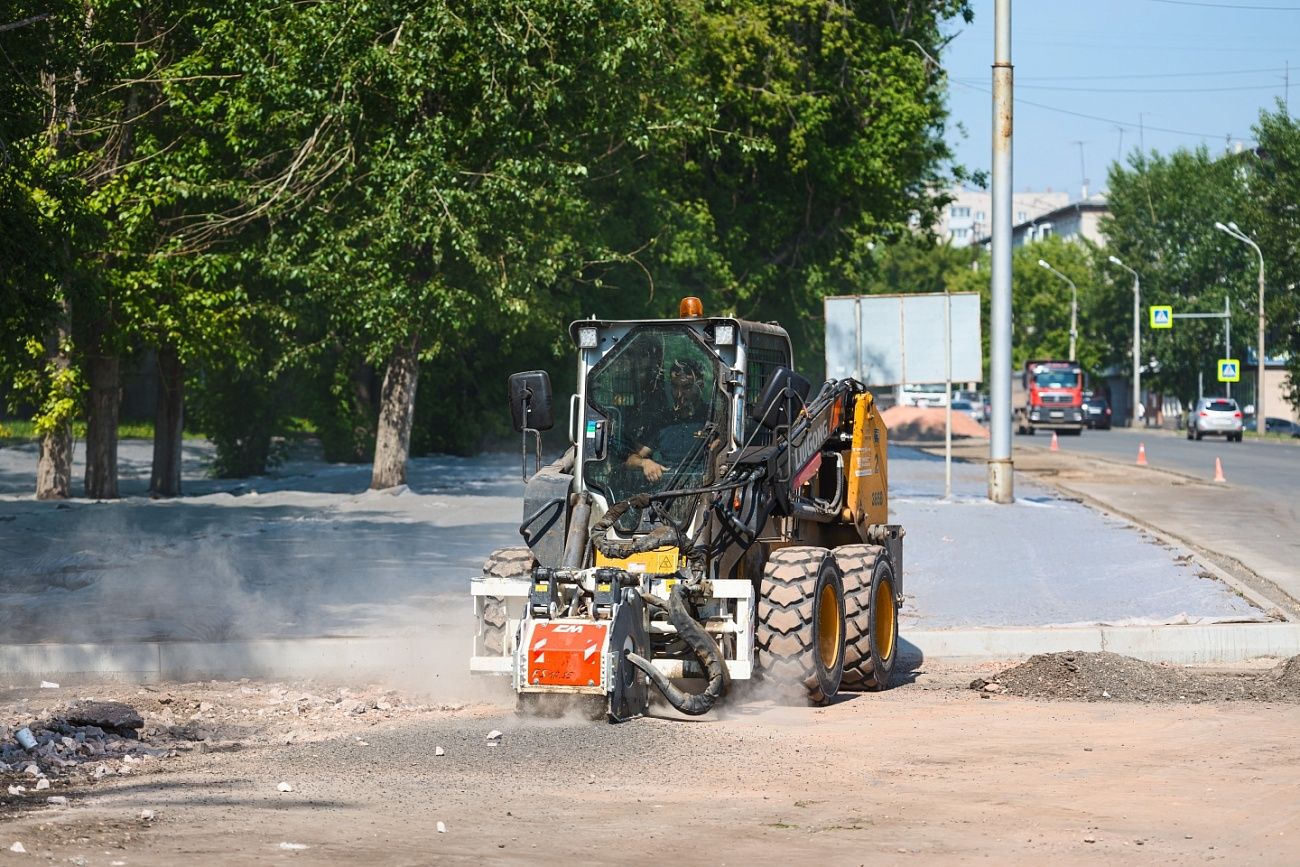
(1163, 73)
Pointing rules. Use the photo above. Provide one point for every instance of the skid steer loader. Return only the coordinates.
(715, 519)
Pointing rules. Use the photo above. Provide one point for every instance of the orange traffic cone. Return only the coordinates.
(1218, 471)
(1142, 455)
(1055, 447)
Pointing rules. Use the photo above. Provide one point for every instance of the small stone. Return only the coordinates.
(994, 687)
(985, 695)
(42, 784)
(1105, 694)
(442, 829)
(383, 705)
(17, 790)
(494, 735)
(978, 683)
(293, 847)
(1087, 749)
(45, 684)
(1090, 839)
(57, 800)
(439, 751)
(146, 815)
(205, 706)
(32, 770)
(18, 847)
(285, 787)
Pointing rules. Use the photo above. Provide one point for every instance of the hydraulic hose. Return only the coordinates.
(706, 651)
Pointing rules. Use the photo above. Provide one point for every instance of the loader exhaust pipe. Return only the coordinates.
(706, 651)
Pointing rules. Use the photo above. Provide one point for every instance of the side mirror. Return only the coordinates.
(781, 399)
(530, 401)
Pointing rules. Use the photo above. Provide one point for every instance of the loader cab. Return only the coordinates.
(660, 401)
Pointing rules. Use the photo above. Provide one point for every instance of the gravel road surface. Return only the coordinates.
(928, 772)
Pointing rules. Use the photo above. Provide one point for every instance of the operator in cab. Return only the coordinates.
(671, 442)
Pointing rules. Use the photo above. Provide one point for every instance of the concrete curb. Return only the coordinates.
(380, 658)
(1221, 643)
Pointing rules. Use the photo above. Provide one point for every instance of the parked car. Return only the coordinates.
(923, 395)
(975, 412)
(1215, 415)
(1096, 413)
(1272, 424)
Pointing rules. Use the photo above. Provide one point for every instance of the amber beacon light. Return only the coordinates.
(690, 308)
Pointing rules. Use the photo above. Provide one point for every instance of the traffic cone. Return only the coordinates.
(1218, 471)
(1055, 447)
(1142, 455)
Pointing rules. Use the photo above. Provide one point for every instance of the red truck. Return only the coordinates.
(1049, 395)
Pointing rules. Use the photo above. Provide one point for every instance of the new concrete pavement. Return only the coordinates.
(1251, 520)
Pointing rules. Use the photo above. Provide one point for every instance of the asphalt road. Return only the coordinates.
(1270, 467)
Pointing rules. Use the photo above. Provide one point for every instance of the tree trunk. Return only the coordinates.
(169, 422)
(54, 469)
(101, 424)
(396, 411)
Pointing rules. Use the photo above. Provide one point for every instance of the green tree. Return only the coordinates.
(1274, 185)
(423, 168)
(827, 141)
(1163, 210)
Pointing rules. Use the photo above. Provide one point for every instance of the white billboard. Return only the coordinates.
(900, 339)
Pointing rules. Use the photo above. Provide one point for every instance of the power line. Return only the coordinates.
(1228, 6)
(1230, 88)
(1096, 117)
(1020, 78)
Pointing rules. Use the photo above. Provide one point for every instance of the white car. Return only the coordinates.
(1215, 415)
(923, 395)
(975, 411)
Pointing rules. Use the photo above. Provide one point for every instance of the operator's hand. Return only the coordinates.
(652, 469)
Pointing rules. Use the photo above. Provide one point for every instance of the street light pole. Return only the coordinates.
(1233, 230)
(1074, 304)
(1137, 338)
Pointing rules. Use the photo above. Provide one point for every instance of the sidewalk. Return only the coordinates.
(306, 569)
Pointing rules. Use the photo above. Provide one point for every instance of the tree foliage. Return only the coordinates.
(285, 197)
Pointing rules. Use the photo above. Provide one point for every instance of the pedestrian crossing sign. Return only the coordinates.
(1162, 316)
(1229, 370)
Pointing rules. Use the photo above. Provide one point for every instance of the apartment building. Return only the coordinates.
(967, 219)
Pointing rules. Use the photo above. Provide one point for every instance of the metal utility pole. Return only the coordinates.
(1235, 231)
(1000, 472)
(1074, 304)
(1137, 340)
(1226, 316)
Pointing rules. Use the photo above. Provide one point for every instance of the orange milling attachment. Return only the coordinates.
(566, 654)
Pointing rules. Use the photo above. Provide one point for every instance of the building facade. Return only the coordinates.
(1081, 219)
(968, 218)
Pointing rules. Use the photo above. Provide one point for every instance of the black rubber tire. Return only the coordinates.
(798, 660)
(1199, 434)
(509, 563)
(867, 665)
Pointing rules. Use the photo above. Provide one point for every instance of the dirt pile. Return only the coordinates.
(1080, 676)
(51, 745)
(918, 424)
